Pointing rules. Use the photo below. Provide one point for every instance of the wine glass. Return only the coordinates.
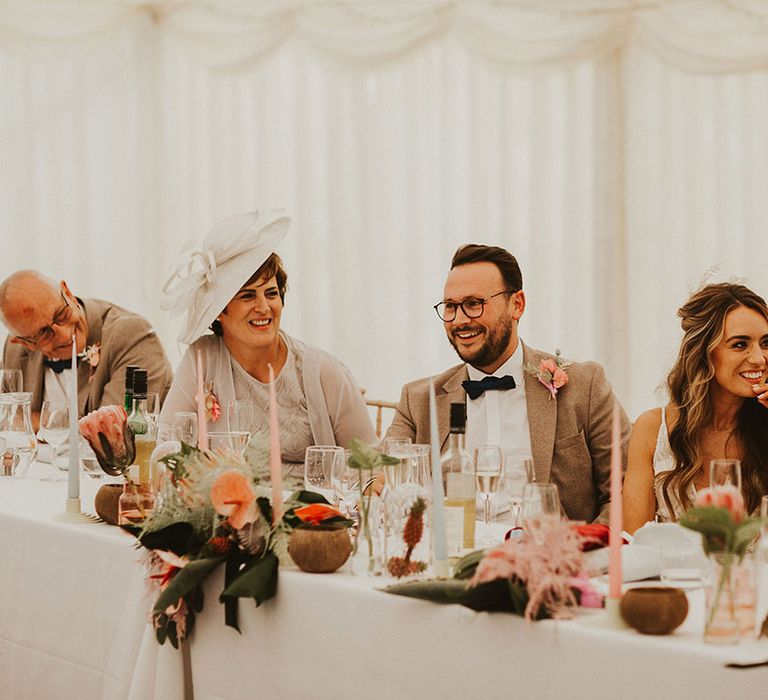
(725, 472)
(516, 476)
(318, 468)
(234, 440)
(54, 429)
(345, 482)
(240, 415)
(10, 381)
(540, 501)
(488, 470)
(186, 422)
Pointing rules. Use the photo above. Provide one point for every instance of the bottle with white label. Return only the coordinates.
(459, 480)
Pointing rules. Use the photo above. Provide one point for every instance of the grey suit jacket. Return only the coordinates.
(126, 339)
(570, 434)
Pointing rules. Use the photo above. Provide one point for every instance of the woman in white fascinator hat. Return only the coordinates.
(234, 286)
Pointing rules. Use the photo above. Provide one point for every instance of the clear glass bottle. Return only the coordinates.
(136, 502)
(142, 425)
(459, 481)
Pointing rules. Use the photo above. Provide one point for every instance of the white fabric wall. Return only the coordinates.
(619, 149)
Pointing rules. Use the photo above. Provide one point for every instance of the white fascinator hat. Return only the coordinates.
(205, 280)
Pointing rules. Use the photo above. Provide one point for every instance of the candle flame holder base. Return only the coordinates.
(74, 515)
(609, 619)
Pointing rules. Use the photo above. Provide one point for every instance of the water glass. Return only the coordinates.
(540, 500)
(234, 440)
(16, 431)
(240, 415)
(488, 470)
(725, 472)
(10, 381)
(345, 481)
(682, 565)
(186, 422)
(319, 462)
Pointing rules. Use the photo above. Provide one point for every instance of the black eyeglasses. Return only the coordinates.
(472, 307)
(45, 335)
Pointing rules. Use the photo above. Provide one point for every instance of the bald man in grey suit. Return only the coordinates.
(567, 431)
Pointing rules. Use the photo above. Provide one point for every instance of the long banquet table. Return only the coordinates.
(73, 624)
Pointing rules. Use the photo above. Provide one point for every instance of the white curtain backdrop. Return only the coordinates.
(618, 147)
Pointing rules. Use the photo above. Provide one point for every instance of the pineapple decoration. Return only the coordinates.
(412, 533)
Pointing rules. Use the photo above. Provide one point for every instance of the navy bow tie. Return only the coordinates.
(475, 389)
(57, 366)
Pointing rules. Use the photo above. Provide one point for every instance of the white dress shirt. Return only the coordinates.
(500, 417)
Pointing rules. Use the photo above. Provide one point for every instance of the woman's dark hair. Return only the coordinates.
(503, 259)
(271, 267)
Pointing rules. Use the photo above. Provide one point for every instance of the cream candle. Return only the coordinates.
(275, 458)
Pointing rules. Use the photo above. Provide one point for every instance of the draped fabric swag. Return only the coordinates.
(619, 148)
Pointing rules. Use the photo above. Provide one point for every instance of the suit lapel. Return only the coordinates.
(450, 392)
(34, 378)
(542, 418)
(94, 312)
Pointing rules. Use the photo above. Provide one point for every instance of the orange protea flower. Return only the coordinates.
(316, 513)
(232, 495)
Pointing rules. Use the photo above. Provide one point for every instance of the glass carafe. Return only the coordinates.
(17, 434)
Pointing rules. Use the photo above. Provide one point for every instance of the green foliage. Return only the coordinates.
(719, 531)
(365, 457)
(185, 581)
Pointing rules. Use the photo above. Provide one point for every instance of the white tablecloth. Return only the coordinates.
(73, 625)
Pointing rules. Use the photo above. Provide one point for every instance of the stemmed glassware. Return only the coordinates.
(725, 472)
(54, 429)
(488, 471)
(516, 476)
(319, 461)
(10, 381)
(153, 406)
(344, 480)
(240, 415)
(540, 501)
(186, 422)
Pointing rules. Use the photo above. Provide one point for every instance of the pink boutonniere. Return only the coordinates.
(91, 355)
(551, 373)
(212, 405)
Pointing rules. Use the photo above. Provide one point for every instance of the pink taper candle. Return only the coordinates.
(202, 422)
(73, 477)
(616, 538)
(275, 458)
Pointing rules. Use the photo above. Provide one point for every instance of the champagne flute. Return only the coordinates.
(54, 429)
(488, 470)
(725, 472)
(540, 502)
(186, 422)
(517, 475)
(153, 406)
(240, 415)
(344, 480)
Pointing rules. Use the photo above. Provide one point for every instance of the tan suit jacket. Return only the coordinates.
(570, 434)
(126, 339)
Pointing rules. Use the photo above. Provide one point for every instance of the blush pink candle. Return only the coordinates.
(275, 458)
(615, 521)
(202, 423)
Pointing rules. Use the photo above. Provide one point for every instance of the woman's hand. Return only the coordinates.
(761, 392)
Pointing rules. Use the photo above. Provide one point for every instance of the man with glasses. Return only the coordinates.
(567, 431)
(42, 316)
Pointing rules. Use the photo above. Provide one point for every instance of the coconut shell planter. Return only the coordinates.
(106, 502)
(654, 609)
(319, 549)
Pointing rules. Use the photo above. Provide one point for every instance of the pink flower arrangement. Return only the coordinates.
(551, 373)
(546, 561)
(232, 496)
(107, 432)
(728, 497)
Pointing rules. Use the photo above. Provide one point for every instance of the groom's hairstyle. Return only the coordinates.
(503, 259)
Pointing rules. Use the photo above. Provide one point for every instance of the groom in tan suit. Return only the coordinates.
(567, 432)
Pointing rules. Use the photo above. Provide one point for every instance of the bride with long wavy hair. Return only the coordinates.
(718, 408)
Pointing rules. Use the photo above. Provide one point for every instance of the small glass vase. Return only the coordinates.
(722, 622)
(407, 542)
(368, 544)
(135, 504)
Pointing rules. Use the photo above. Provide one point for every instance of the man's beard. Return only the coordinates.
(494, 345)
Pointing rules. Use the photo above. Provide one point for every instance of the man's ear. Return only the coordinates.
(65, 289)
(518, 304)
